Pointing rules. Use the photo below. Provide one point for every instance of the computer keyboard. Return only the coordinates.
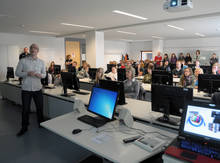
(81, 93)
(93, 121)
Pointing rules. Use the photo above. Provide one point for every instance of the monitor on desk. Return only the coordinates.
(92, 73)
(201, 123)
(170, 100)
(102, 102)
(109, 67)
(69, 81)
(121, 74)
(162, 77)
(10, 73)
(206, 69)
(208, 83)
(44, 81)
(114, 86)
(57, 69)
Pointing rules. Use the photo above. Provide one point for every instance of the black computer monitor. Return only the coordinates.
(57, 69)
(121, 74)
(114, 86)
(169, 100)
(201, 124)
(44, 81)
(71, 68)
(209, 83)
(206, 69)
(102, 102)
(10, 73)
(92, 73)
(69, 81)
(109, 67)
(172, 66)
(162, 77)
(192, 66)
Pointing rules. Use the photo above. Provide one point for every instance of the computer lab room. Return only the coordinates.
(100, 81)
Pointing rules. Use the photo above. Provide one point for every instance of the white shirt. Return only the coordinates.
(113, 76)
(31, 83)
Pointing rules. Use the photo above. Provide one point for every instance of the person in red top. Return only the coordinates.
(158, 59)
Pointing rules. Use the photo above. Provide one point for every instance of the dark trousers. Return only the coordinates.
(26, 103)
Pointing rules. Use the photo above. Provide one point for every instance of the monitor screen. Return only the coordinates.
(10, 72)
(162, 77)
(92, 73)
(208, 83)
(57, 69)
(201, 122)
(114, 86)
(103, 102)
(121, 74)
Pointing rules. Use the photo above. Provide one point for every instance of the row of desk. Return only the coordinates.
(105, 141)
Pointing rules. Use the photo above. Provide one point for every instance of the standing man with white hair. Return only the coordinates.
(32, 70)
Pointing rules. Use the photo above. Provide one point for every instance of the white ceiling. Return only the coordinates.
(22, 16)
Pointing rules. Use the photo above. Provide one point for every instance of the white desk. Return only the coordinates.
(107, 144)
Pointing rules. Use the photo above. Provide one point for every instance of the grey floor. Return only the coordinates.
(38, 145)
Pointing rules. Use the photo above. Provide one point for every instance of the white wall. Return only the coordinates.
(137, 47)
(206, 45)
(114, 49)
(11, 45)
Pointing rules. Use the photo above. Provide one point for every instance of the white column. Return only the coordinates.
(95, 49)
(157, 46)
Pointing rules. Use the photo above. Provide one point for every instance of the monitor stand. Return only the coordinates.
(65, 94)
(169, 120)
(93, 121)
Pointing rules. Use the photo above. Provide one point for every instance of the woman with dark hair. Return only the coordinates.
(165, 58)
(173, 58)
(51, 68)
(188, 58)
(99, 75)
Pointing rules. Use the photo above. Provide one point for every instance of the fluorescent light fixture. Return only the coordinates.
(44, 32)
(129, 33)
(156, 37)
(126, 40)
(199, 34)
(128, 14)
(175, 27)
(76, 25)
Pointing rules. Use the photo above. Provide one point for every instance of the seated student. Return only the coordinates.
(215, 70)
(129, 66)
(177, 72)
(51, 71)
(131, 85)
(187, 79)
(113, 75)
(140, 68)
(196, 74)
(83, 73)
(122, 65)
(148, 77)
(166, 66)
(57, 79)
(83, 63)
(198, 65)
(99, 75)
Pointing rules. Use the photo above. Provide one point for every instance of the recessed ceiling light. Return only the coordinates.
(129, 33)
(126, 40)
(44, 32)
(128, 14)
(199, 34)
(156, 37)
(76, 25)
(175, 27)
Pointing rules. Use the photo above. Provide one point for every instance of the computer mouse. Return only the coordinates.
(76, 131)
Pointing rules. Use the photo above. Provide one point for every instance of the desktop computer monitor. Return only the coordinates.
(71, 68)
(102, 102)
(162, 77)
(206, 69)
(208, 83)
(114, 86)
(92, 73)
(172, 66)
(192, 66)
(201, 123)
(10, 73)
(169, 100)
(121, 74)
(69, 81)
(57, 69)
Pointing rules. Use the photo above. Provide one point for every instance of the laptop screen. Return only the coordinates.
(103, 102)
(202, 122)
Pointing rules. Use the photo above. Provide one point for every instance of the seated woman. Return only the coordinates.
(113, 75)
(148, 76)
(187, 79)
(84, 72)
(196, 74)
(166, 66)
(131, 86)
(51, 71)
(99, 75)
(215, 70)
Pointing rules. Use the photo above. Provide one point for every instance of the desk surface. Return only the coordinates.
(107, 140)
